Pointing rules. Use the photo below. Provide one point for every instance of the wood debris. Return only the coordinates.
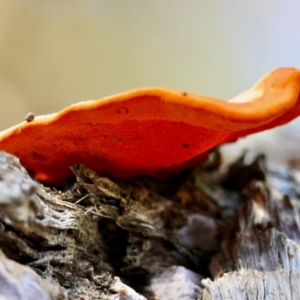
(236, 226)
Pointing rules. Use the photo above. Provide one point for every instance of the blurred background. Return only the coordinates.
(55, 53)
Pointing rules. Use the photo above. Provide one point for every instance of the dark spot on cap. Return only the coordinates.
(38, 156)
(185, 145)
(123, 110)
(184, 94)
(29, 117)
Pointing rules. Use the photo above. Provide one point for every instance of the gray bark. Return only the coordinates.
(237, 228)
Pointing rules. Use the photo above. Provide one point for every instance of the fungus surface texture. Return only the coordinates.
(151, 131)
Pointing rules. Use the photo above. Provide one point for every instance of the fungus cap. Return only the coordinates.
(152, 131)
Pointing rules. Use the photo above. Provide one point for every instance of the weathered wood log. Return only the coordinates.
(236, 226)
(261, 259)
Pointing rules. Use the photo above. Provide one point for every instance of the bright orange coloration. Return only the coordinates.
(149, 131)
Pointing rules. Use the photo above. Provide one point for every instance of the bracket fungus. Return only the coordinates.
(151, 131)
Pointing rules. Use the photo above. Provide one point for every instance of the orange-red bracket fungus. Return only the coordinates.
(150, 131)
